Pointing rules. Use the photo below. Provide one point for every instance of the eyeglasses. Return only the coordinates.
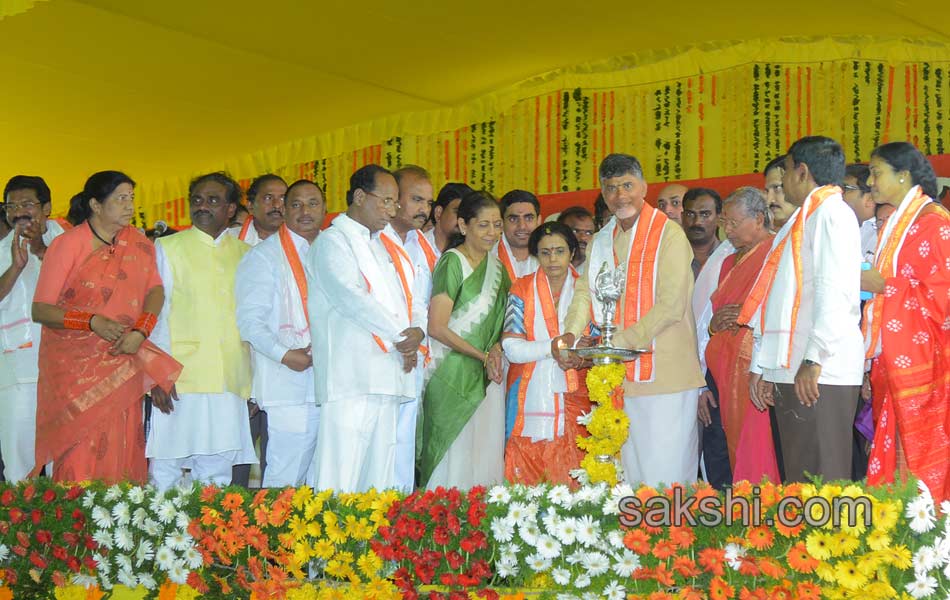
(212, 201)
(29, 205)
(587, 232)
(627, 186)
(854, 188)
(731, 223)
(386, 201)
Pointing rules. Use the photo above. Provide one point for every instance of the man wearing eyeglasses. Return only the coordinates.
(857, 195)
(271, 292)
(26, 206)
(365, 343)
(581, 222)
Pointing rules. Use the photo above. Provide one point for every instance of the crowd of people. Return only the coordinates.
(424, 339)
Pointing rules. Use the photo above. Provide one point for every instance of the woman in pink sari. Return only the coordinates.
(97, 298)
(746, 220)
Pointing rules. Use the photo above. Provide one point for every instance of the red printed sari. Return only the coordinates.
(89, 403)
(728, 356)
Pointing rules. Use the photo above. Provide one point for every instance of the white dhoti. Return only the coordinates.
(292, 433)
(18, 430)
(356, 445)
(206, 433)
(406, 445)
(477, 456)
(663, 446)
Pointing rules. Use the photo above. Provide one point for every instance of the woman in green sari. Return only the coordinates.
(463, 412)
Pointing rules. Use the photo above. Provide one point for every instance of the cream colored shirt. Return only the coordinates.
(670, 321)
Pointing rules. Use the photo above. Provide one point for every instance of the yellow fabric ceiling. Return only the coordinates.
(165, 89)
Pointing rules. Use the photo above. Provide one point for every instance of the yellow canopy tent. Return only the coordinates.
(163, 90)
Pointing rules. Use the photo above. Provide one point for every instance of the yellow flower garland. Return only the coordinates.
(608, 426)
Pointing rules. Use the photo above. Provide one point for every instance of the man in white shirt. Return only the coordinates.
(365, 346)
(857, 195)
(202, 425)
(27, 205)
(271, 293)
(581, 222)
(445, 215)
(519, 214)
(808, 359)
(404, 231)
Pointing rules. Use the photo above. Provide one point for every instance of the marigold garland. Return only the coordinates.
(607, 425)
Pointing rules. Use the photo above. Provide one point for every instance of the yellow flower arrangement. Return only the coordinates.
(608, 426)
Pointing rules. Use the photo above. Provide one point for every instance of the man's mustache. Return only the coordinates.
(697, 229)
(27, 218)
(275, 212)
(202, 212)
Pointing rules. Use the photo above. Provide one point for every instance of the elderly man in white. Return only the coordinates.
(27, 204)
(271, 292)
(365, 346)
(405, 243)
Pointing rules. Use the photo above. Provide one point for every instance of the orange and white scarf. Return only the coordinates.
(248, 233)
(407, 274)
(641, 266)
(541, 408)
(506, 256)
(782, 274)
(889, 245)
(294, 323)
(431, 256)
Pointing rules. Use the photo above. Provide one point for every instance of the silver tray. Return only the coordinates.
(607, 354)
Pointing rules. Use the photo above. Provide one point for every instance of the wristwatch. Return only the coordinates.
(810, 363)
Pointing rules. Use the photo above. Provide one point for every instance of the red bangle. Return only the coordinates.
(78, 320)
(146, 323)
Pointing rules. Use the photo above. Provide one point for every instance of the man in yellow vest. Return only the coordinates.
(203, 424)
(271, 291)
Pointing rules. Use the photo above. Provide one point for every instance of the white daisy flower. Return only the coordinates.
(178, 573)
(145, 551)
(530, 532)
(922, 587)
(920, 513)
(178, 499)
(559, 494)
(147, 581)
(615, 591)
(924, 490)
(105, 583)
(517, 512)
(164, 558)
(595, 563)
(167, 512)
(86, 581)
(4, 553)
(551, 521)
(151, 527)
(101, 517)
(945, 508)
(503, 529)
(536, 491)
(139, 516)
(126, 578)
(192, 558)
(121, 513)
(505, 569)
(548, 547)
(925, 559)
(123, 539)
(510, 552)
(538, 563)
(103, 566)
(580, 476)
(615, 539)
(561, 576)
(946, 571)
(588, 530)
(734, 554)
(942, 546)
(136, 495)
(123, 562)
(582, 581)
(103, 538)
(585, 418)
(575, 557)
(178, 540)
(499, 495)
(626, 564)
(88, 499)
(113, 493)
(566, 532)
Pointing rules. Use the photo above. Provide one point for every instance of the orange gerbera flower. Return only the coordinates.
(209, 493)
(644, 493)
(664, 549)
(713, 559)
(742, 488)
(637, 541)
(753, 594)
(661, 596)
(683, 537)
(720, 590)
(689, 593)
(783, 520)
(259, 498)
(703, 492)
(800, 560)
(662, 575)
(780, 593)
(748, 567)
(807, 591)
(686, 566)
(209, 516)
(771, 568)
(768, 494)
(232, 500)
(792, 490)
(761, 538)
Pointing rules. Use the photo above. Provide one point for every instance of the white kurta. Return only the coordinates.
(357, 313)
(213, 427)
(19, 356)
(521, 267)
(272, 319)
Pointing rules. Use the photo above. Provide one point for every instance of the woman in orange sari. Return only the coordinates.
(97, 298)
(746, 220)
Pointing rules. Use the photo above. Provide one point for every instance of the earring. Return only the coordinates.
(901, 180)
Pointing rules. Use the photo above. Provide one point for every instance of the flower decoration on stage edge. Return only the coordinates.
(607, 425)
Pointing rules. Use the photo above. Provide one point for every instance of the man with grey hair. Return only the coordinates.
(661, 387)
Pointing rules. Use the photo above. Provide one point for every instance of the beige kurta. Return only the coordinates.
(670, 321)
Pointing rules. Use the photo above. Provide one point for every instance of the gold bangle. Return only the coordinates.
(710, 331)
(485, 361)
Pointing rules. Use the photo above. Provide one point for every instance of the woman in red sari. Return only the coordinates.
(97, 298)
(907, 323)
(746, 220)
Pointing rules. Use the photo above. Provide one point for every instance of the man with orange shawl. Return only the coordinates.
(746, 221)
(98, 296)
